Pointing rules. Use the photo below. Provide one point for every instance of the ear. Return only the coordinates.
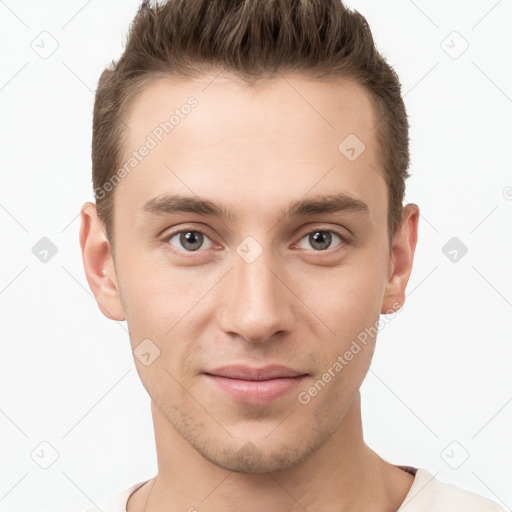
(402, 255)
(98, 263)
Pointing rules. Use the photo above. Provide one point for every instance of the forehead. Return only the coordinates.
(268, 105)
(219, 138)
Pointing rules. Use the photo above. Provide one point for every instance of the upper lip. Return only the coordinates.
(244, 372)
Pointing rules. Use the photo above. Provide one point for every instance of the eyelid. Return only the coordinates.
(319, 227)
(345, 238)
(183, 229)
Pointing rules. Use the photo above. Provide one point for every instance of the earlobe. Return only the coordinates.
(98, 263)
(402, 256)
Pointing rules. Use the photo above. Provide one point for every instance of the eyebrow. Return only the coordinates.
(330, 203)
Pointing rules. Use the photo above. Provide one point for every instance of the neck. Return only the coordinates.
(343, 474)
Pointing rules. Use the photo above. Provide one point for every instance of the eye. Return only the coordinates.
(320, 239)
(190, 240)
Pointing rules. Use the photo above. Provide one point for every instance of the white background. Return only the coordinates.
(441, 371)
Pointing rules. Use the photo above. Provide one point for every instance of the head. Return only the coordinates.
(249, 165)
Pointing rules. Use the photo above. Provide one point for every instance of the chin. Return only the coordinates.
(264, 455)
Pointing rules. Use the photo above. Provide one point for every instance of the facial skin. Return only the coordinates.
(254, 151)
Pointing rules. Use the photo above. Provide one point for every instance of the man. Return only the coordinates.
(249, 160)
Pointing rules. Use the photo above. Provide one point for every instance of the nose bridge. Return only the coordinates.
(256, 304)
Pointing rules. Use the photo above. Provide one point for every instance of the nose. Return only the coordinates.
(256, 300)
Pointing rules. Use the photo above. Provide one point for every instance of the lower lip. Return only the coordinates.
(256, 391)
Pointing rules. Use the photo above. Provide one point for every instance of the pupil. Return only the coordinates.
(323, 238)
(191, 237)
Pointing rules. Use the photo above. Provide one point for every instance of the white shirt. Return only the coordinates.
(427, 494)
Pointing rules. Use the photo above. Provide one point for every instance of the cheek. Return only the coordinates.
(153, 289)
(347, 299)
(329, 393)
(164, 304)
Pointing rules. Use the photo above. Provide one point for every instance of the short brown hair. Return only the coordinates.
(251, 39)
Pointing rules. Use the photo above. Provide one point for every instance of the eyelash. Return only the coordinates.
(167, 238)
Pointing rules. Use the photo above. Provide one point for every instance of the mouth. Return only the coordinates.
(255, 386)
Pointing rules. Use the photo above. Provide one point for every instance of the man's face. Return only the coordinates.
(260, 287)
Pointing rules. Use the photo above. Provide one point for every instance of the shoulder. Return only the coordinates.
(117, 502)
(429, 494)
